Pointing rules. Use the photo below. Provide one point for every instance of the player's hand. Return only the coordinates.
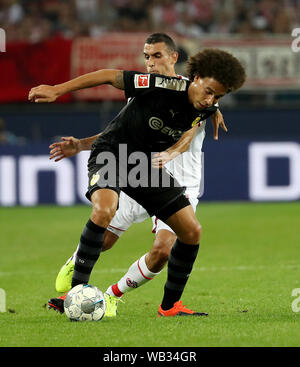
(43, 93)
(68, 147)
(217, 120)
(160, 159)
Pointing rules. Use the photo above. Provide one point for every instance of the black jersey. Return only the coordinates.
(157, 115)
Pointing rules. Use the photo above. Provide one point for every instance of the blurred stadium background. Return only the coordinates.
(51, 41)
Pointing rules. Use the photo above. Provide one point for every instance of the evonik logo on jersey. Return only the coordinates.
(157, 124)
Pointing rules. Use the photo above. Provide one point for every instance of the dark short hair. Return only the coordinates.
(161, 37)
(217, 64)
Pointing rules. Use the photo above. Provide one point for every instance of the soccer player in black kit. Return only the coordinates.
(161, 110)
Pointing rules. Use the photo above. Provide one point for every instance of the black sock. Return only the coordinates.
(88, 252)
(180, 264)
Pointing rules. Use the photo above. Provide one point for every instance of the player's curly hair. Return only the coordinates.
(217, 64)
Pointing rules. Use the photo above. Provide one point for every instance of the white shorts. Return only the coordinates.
(130, 211)
(158, 224)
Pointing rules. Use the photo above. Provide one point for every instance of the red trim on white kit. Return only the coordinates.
(155, 226)
(118, 229)
(142, 272)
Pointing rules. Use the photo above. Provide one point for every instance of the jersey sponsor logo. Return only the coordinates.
(94, 179)
(142, 80)
(155, 123)
(173, 84)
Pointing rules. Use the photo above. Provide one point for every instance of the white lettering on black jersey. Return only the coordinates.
(174, 84)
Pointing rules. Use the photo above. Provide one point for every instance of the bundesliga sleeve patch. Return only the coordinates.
(142, 80)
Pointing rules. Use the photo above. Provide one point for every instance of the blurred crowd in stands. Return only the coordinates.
(36, 20)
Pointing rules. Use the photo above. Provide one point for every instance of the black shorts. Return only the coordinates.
(162, 199)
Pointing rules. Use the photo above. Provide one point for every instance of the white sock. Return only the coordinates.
(137, 275)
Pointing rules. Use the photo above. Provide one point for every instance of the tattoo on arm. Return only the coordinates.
(119, 81)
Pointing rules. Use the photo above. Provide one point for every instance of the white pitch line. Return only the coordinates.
(203, 269)
(247, 267)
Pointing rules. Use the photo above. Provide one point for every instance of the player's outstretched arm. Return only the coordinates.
(217, 120)
(181, 146)
(49, 93)
(70, 146)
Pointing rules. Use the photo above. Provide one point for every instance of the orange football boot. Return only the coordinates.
(178, 310)
(57, 304)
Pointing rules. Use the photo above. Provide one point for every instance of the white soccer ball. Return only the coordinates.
(85, 302)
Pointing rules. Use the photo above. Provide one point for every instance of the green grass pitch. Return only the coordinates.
(246, 270)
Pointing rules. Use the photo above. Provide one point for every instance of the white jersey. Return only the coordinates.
(187, 167)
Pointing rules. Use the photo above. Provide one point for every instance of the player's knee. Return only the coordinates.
(193, 235)
(197, 232)
(102, 215)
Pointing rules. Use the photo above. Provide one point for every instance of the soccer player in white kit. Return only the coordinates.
(160, 57)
